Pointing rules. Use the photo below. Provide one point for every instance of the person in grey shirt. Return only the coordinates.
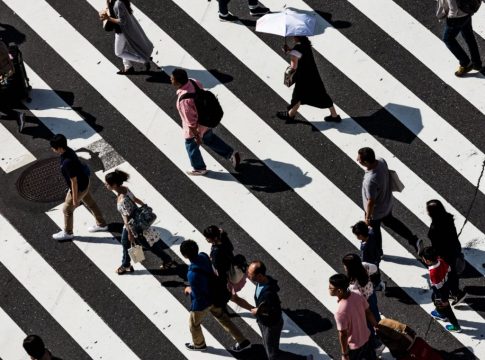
(378, 200)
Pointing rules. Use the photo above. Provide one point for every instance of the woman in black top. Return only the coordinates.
(309, 88)
(444, 239)
(221, 250)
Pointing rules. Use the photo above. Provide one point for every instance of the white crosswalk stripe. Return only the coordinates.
(262, 224)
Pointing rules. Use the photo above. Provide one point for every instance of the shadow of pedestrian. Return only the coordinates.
(337, 24)
(8, 34)
(309, 321)
(462, 353)
(209, 78)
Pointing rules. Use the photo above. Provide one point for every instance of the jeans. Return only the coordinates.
(463, 25)
(395, 225)
(372, 300)
(223, 5)
(195, 320)
(271, 342)
(157, 248)
(214, 142)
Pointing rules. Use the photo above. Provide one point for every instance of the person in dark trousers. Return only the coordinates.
(35, 348)
(255, 9)
(267, 311)
(378, 200)
(221, 254)
(459, 22)
(369, 252)
(444, 239)
(438, 277)
(126, 203)
(309, 88)
(202, 301)
(76, 175)
(351, 318)
(194, 133)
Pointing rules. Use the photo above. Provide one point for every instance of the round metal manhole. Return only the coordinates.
(43, 182)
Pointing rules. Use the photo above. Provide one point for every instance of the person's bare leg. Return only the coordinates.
(292, 112)
(333, 112)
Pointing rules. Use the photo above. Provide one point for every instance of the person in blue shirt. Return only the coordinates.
(199, 275)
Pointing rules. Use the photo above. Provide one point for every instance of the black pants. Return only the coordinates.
(271, 342)
(223, 5)
(365, 352)
(394, 224)
(440, 297)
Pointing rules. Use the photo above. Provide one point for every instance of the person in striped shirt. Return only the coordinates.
(438, 278)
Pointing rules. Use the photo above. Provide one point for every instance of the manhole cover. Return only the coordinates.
(43, 182)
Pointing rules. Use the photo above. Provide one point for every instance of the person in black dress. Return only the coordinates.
(309, 88)
(444, 239)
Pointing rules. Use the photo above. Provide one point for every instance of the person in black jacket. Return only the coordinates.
(35, 348)
(267, 311)
(221, 250)
(444, 239)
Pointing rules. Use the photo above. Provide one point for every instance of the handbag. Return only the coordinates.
(141, 219)
(395, 183)
(108, 25)
(289, 78)
(136, 253)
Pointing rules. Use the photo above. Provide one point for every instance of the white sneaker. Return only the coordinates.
(96, 228)
(62, 235)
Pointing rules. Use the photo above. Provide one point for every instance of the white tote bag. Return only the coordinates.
(136, 254)
(395, 183)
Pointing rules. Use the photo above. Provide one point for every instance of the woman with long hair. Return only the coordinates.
(360, 283)
(444, 239)
(309, 88)
(126, 203)
(131, 43)
(223, 259)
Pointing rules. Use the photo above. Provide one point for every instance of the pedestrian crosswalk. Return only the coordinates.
(292, 203)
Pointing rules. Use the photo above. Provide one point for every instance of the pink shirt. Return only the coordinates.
(350, 316)
(188, 111)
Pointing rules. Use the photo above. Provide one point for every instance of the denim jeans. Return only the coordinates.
(463, 25)
(157, 248)
(223, 5)
(214, 142)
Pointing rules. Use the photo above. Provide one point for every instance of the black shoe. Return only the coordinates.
(258, 11)
(459, 298)
(228, 17)
(284, 115)
(192, 347)
(147, 66)
(241, 346)
(335, 119)
(477, 67)
(128, 71)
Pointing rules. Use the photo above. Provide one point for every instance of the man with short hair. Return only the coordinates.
(456, 22)
(378, 199)
(35, 348)
(351, 318)
(194, 133)
(267, 311)
(76, 175)
(199, 277)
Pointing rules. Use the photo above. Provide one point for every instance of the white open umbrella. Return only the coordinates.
(290, 22)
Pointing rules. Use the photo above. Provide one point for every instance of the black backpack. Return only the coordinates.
(469, 6)
(218, 290)
(209, 111)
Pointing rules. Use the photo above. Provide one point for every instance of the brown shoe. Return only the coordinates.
(462, 70)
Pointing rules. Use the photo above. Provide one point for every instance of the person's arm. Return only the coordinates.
(188, 112)
(370, 317)
(131, 236)
(294, 62)
(74, 191)
(369, 210)
(242, 303)
(344, 348)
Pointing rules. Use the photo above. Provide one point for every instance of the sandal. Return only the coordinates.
(168, 265)
(122, 270)
(284, 115)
